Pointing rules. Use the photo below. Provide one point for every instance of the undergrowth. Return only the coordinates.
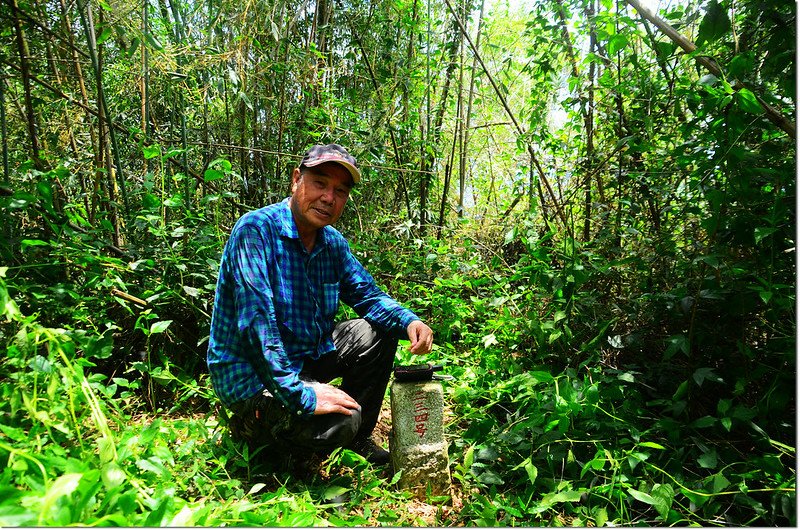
(548, 423)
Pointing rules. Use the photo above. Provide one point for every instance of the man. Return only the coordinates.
(273, 346)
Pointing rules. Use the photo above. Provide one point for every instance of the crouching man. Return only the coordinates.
(274, 346)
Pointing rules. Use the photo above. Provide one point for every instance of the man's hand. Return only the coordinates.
(333, 400)
(421, 337)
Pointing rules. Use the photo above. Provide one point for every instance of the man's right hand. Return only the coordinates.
(333, 400)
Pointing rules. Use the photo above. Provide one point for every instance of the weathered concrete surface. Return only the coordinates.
(417, 443)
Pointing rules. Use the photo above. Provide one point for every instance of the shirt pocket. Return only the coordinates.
(329, 300)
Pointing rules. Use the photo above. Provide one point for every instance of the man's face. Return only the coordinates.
(319, 194)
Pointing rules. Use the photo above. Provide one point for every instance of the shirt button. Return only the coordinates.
(299, 412)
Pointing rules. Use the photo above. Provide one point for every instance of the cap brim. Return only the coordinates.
(353, 170)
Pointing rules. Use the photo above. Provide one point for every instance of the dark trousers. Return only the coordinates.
(363, 359)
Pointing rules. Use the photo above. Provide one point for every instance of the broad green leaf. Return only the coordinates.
(151, 151)
(533, 473)
(748, 102)
(641, 496)
(133, 47)
(64, 486)
(183, 519)
(705, 374)
(708, 80)
(225, 165)
(104, 35)
(714, 25)
(765, 296)
(159, 327)
(705, 421)
(764, 231)
(489, 340)
(663, 494)
(191, 291)
(212, 174)
(106, 449)
(616, 43)
(741, 64)
(490, 477)
(652, 445)
(600, 517)
(152, 41)
(562, 496)
(331, 492)
(720, 483)
(112, 475)
(708, 460)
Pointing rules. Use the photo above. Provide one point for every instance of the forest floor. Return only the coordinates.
(300, 476)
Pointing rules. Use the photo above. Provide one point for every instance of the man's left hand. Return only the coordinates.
(421, 337)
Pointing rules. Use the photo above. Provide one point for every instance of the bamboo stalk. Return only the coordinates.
(25, 68)
(517, 126)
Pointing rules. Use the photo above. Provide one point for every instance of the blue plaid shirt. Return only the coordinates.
(275, 304)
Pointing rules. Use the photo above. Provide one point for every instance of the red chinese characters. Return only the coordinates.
(420, 414)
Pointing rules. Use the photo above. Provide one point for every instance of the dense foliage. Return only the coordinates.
(593, 208)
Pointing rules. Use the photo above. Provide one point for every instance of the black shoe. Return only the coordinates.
(374, 453)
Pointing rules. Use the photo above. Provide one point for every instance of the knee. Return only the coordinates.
(338, 430)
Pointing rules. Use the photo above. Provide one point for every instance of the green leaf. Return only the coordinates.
(720, 483)
(747, 102)
(133, 47)
(331, 492)
(600, 517)
(160, 327)
(708, 80)
(191, 291)
(681, 392)
(652, 445)
(112, 475)
(663, 494)
(764, 231)
(469, 457)
(705, 421)
(714, 25)
(708, 460)
(212, 174)
(223, 164)
(152, 42)
(25, 243)
(490, 477)
(741, 64)
(151, 151)
(641, 496)
(616, 43)
(562, 496)
(705, 374)
(104, 35)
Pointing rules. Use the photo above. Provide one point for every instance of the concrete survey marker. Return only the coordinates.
(417, 443)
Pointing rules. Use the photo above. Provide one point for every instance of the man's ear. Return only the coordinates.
(296, 176)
